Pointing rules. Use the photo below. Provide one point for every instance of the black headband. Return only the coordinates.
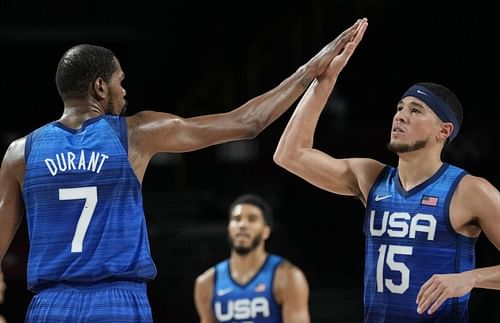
(442, 110)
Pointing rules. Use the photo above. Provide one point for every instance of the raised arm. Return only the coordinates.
(203, 289)
(295, 150)
(292, 292)
(162, 132)
(11, 203)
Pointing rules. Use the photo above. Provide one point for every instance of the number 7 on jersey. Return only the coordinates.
(89, 194)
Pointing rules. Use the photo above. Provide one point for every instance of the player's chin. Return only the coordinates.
(242, 242)
(397, 136)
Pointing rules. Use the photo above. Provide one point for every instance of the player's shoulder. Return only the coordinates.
(289, 278)
(287, 270)
(206, 277)
(474, 193)
(471, 183)
(148, 116)
(15, 151)
(146, 123)
(286, 264)
(18, 144)
(13, 162)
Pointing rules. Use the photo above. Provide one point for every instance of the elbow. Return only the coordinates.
(281, 157)
(289, 158)
(278, 158)
(256, 127)
(248, 130)
(252, 133)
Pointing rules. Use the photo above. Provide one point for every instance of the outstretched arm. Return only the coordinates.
(11, 204)
(162, 132)
(482, 210)
(295, 152)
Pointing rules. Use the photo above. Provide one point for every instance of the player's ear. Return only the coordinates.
(100, 88)
(267, 232)
(445, 130)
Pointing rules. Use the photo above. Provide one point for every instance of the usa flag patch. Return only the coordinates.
(429, 200)
(260, 287)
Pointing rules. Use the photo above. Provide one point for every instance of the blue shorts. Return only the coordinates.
(110, 302)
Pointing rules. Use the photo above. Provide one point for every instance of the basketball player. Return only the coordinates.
(252, 285)
(422, 218)
(79, 181)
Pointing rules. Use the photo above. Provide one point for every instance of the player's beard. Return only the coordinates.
(243, 250)
(403, 148)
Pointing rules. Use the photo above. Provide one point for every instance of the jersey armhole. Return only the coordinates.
(119, 126)
(27, 147)
(279, 261)
(447, 203)
(123, 132)
(214, 287)
(380, 177)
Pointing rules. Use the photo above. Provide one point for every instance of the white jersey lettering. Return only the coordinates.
(67, 161)
(243, 309)
(403, 225)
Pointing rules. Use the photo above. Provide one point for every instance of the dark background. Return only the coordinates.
(191, 58)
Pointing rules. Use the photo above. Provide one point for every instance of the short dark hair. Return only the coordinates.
(80, 66)
(448, 97)
(257, 201)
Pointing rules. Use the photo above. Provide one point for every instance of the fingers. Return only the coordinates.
(360, 30)
(427, 294)
(346, 36)
(431, 293)
(352, 32)
(441, 299)
(351, 46)
(342, 46)
(355, 26)
(423, 290)
(353, 43)
(435, 292)
(355, 38)
(434, 300)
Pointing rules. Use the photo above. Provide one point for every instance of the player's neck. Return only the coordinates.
(77, 111)
(244, 267)
(416, 167)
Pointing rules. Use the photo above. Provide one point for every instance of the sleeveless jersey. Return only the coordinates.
(250, 303)
(409, 238)
(84, 206)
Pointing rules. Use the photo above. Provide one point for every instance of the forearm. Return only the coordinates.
(11, 215)
(299, 133)
(8, 229)
(487, 277)
(261, 111)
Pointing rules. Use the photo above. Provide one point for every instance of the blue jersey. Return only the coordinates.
(84, 206)
(252, 302)
(409, 238)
